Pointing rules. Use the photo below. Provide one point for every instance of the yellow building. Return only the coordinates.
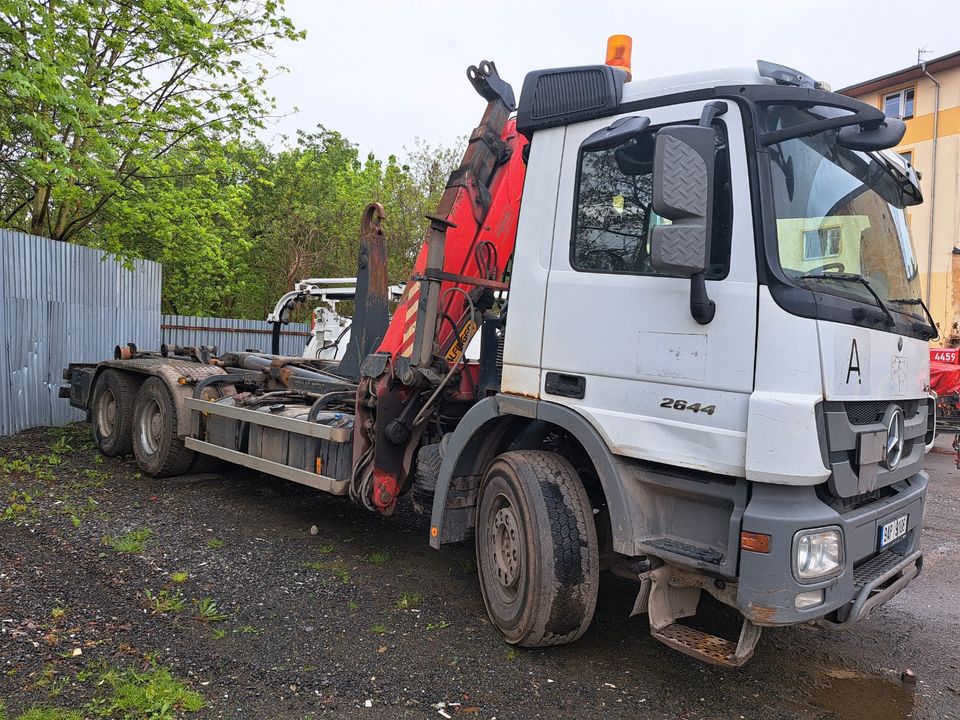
(927, 97)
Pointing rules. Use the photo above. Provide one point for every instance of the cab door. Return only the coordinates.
(619, 343)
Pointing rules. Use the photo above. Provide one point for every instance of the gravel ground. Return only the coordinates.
(363, 619)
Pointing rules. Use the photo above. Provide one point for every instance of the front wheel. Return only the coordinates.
(537, 550)
(159, 450)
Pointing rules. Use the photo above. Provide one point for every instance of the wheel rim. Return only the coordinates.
(106, 413)
(151, 426)
(505, 547)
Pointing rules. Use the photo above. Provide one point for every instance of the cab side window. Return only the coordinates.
(614, 217)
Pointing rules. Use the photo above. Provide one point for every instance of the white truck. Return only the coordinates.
(742, 411)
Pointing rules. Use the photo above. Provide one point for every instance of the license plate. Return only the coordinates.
(892, 531)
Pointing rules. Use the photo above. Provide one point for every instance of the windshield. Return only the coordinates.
(840, 212)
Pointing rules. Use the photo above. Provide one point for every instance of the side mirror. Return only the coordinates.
(884, 136)
(683, 163)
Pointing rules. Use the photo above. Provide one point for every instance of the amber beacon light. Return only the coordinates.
(619, 48)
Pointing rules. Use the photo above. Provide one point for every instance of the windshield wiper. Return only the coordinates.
(858, 313)
(930, 328)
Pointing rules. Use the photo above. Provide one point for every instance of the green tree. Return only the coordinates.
(95, 95)
(192, 219)
(305, 203)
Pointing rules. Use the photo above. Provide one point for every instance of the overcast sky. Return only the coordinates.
(385, 72)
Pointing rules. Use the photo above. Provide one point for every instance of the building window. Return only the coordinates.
(822, 243)
(899, 104)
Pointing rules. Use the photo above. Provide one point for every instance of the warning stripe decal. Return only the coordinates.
(410, 318)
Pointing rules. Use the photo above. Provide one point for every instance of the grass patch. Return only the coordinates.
(207, 610)
(326, 549)
(150, 694)
(379, 558)
(409, 601)
(58, 612)
(439, 625)
(40, 712)
(248, 630)
(351, 605)
(165, 601)
(153, 694)
(379, 629)
(215, 544)
(132, 542)
(179, 578)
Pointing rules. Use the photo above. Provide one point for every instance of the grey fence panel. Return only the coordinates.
(62, 303)
(231, 334)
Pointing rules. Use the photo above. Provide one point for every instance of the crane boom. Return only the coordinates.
(463, 260)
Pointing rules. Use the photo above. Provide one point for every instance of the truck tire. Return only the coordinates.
(537, 550)
(158, 449)
(111, 412)
(425, 478)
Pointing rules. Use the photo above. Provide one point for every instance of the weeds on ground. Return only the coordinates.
(326, 549)
(207, 610)
(320, 565)
(378, 558)
(409, 601)
(215, 544)
(132, 542)
(19, 507)
(248, 630)
(39, 712)
(351, 605)
(58, 612)
(379, 629)
(335, 567)
(152, 693)
(439, 625)
(165, 601)
(179, 577)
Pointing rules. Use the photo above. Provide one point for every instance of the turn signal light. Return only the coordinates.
(754, 542)
(619, 49)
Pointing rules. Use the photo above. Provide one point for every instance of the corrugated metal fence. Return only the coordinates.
(62, 303)
(229, 334)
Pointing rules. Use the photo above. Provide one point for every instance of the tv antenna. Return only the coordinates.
(921, 52)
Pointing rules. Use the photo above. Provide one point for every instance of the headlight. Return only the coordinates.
(817, 554)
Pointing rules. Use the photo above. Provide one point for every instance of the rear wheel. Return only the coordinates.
(111, 412)
(537, 551)
(158, 449)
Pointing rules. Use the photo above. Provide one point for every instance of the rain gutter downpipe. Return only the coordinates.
(933, 177)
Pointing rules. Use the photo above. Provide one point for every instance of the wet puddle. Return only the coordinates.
(851, 696)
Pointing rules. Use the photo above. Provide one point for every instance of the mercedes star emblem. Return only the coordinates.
(893, 450)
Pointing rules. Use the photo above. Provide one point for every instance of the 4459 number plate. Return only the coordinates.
(892, 531)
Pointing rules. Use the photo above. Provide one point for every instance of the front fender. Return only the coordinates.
(487, 430)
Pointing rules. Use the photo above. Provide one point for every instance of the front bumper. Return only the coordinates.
(767, 589)
(876, 581)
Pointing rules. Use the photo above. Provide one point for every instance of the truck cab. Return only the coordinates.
(746, 394)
